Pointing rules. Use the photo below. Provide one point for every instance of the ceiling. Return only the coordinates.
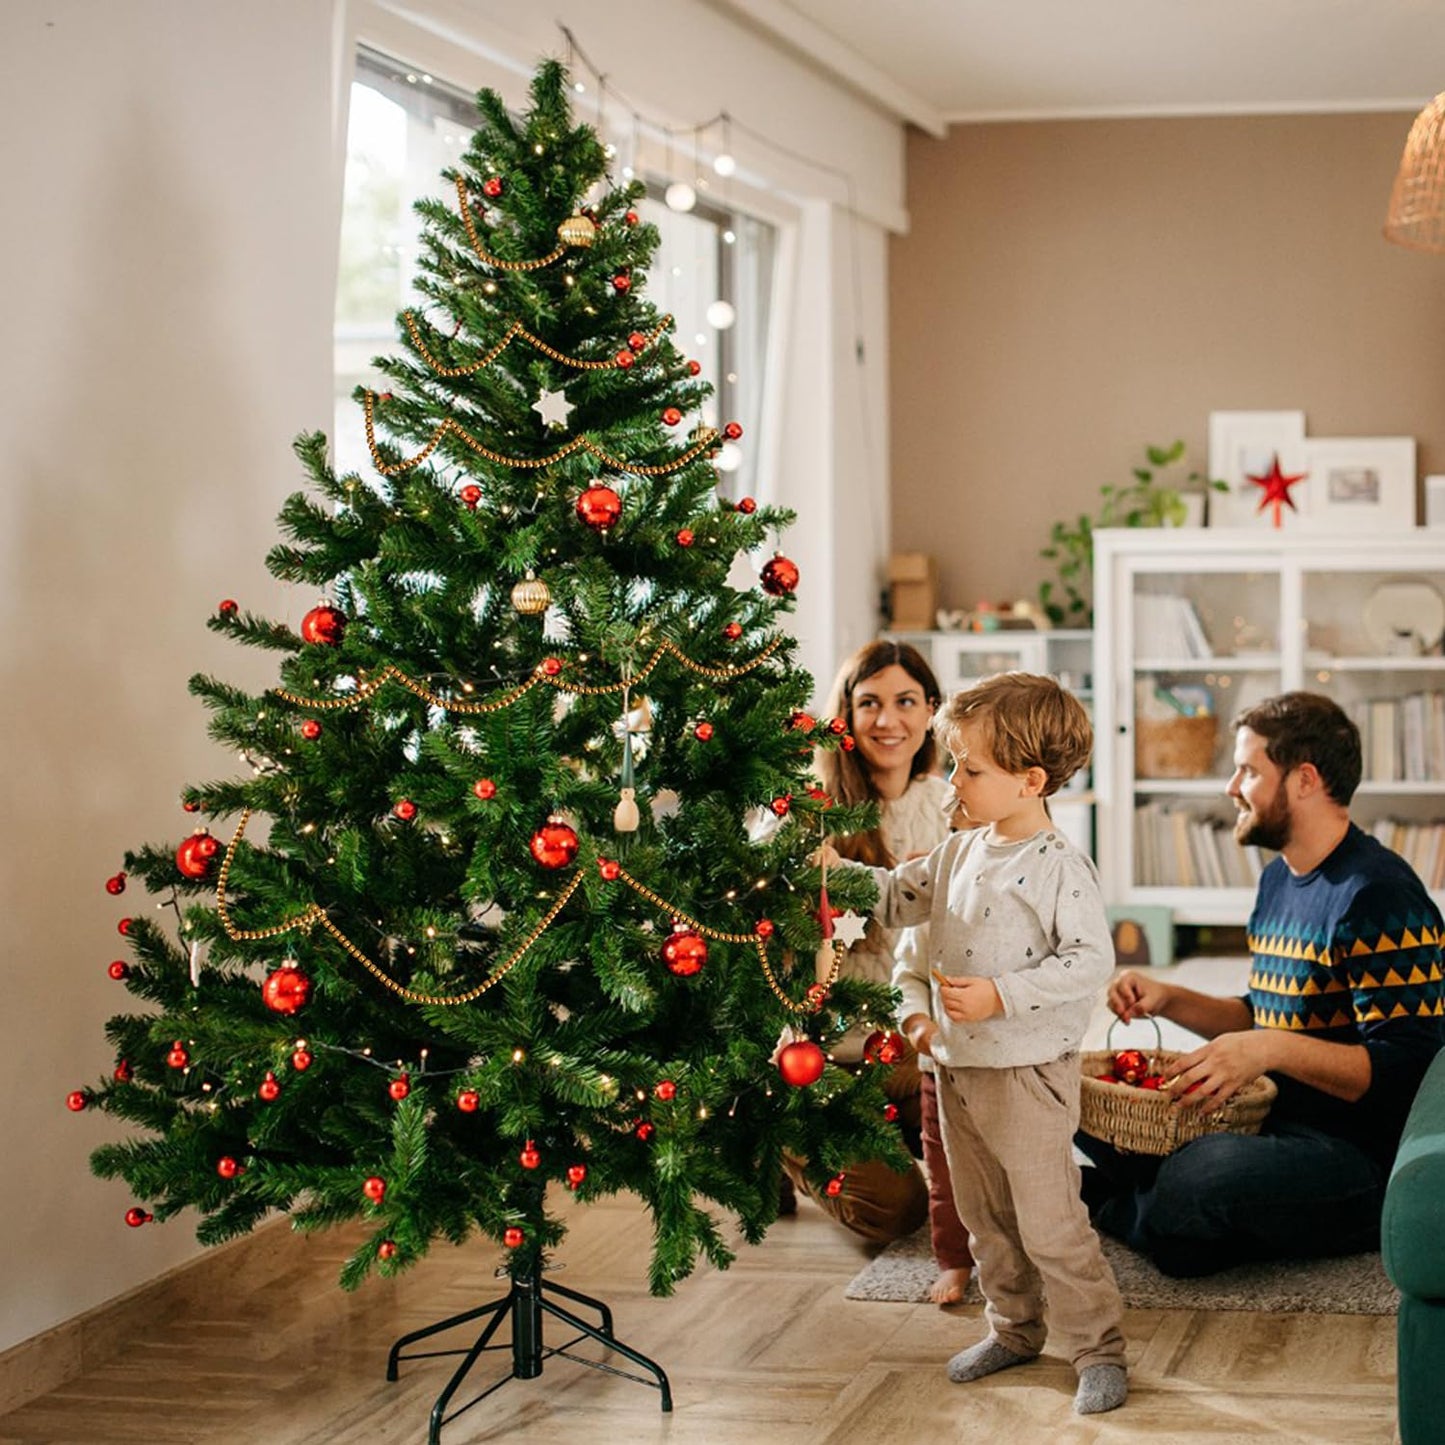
(939, 61)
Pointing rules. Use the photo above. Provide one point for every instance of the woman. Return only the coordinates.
(887, 693)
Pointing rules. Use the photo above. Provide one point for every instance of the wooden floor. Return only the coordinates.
(767, 1352)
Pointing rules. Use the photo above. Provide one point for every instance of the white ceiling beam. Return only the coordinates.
(830, 54)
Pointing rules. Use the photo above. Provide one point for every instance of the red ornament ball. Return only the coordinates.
(782, 804)
(492, 187)
(485, 789)
(631, 217)
(469, 1101)
(227, 607)
(1130, 1065)
(890, 1112)
(733, 430)
(554, 844)
(610, 869)
(529, 1158)
(816, 996)
(123, 1072)
(637, 341)
(196, 854)
(513, 1237)
(399, 1087)
(137, 1217)
(703, 732)
(847, 744)
(576, 1173)
(76, 1100)
(834, 1187)
(115, 884)
(311, 729)
(884, 1047)
(268, 1089)
(733, 631)
(685, 537)
(821, 797)
(665, 1090)
(747, 506)
(302, 1060)
(323, 624)
(123, 927)
(176, 1056)
(190, 805)
(374, 1188)
(671, 416)
(780, 576)
(471, 495)
(764, 928)
(286, 990)
(801, 1063)
(801, 722)
(625, 359)
(552, 666)
(404, 809)
(645, 1131)
(694, 367)
(622, 282)
(599, 507)
(386, 1249)
(684, 952)
(227, 1167)
(837, 726)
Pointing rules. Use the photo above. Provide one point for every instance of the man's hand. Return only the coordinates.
(1218, 1070)
(1135, 995)
(919, 1030)
(969, 1000)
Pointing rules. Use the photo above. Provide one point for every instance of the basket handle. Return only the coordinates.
(1142, 1018)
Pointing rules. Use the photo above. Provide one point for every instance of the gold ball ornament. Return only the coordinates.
(577, 231)
(531, 596)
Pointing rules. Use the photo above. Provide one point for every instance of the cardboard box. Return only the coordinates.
(912, 591)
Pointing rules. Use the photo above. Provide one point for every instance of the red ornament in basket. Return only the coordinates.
(1131, 1065)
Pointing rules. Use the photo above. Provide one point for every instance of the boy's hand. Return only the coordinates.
(969, 1000)
(826, 857)
(920, 1030)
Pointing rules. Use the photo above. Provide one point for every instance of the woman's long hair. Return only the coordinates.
(844, 774)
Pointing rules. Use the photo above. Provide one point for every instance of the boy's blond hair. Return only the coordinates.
(1029, 722)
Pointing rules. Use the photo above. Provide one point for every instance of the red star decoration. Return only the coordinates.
(1276, 488)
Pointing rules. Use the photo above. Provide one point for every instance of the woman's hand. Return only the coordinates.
(826, 857)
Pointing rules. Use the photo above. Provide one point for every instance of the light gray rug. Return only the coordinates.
(1353, 1284)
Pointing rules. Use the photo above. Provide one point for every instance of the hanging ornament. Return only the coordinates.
(399, 1087)
(884, 1046)
(552, 666)
(116, 884)
(554, 409)
(374, 1188)
(733, 430)
(301, 1060)
(485, 789)
(834, 1187)
(196, 854)
(529, 1158)
(801, 1063)
(513, 1237)
(492, 187)
(386, 1249)
(137, 1217)
(782, 805)
(286, 990)
(123, 1072)
(733, 631)
(747, 506)
(177, 1056)
(703, 732)
(404, 809)
(196, 956)
(76, 1100)
(685, 537)
(190, 805)
(227, 607)
(530, 596)
(694, 368)
(228, 1168)
(684, 952)
(469, 1101)
(470, 494)
(645, 1131)
(671, 416)
(324, 624)
(622, 283)
(631, 218)
(579, 231)
(625, 359)
(780, 576)
(268, 1089)
(625, 816)
(665, 1090)
(764, 928)
(637, 341)
(576, 1173)
(890, 1112)
(311, 729)
(123, 927)
(555, 843)
(599, 507)
(118, 970)
(610, 869)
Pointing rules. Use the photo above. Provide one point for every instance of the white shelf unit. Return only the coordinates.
(960, 659)
(1279, 611)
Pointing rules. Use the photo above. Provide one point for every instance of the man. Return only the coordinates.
(1346, 997)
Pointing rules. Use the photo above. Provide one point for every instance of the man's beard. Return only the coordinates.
(1266, 829)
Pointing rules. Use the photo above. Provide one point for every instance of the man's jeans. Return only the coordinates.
(1291, 1192)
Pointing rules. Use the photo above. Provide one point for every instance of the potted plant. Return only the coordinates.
(1149, 500)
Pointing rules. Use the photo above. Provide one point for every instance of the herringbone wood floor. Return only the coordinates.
(767, 1352)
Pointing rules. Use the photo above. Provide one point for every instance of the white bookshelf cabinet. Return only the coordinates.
(1237, 615)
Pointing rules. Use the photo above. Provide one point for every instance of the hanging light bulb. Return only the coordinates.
(721, 315)
(724, 164)
(680, 196)
(729, 457)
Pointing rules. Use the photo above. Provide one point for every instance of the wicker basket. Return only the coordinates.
(1147, 1121)
(1178, 747)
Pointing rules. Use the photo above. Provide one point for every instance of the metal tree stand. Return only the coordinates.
(524, 1304)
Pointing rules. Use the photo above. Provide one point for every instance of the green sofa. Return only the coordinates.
(1412, 1241)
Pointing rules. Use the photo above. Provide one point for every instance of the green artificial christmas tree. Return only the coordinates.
(487, 915)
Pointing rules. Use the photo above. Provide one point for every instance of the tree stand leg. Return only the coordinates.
(524, 1304)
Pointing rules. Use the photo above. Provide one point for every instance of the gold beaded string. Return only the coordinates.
(706, 437)
(514, 330)
(368, 689)
(465, 204)
(315, 914)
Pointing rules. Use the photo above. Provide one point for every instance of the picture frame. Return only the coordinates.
(1143, 934)
(1360, 484)
(1245, 443)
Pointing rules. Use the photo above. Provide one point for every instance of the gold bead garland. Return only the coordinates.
(706, 437)
(513, 331)
(464, 202)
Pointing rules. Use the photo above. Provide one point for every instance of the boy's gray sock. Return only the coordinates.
(1101, 1387)
(985, 1358)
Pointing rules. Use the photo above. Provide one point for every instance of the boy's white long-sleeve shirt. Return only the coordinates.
(1029, 916)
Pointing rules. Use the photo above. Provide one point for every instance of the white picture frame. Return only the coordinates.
(1360, 484)
(1244, 444)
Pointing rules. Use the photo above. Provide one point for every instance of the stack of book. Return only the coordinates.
(1183, 845)
(1403, 738)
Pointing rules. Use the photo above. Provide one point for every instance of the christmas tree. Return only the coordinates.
(487, 912)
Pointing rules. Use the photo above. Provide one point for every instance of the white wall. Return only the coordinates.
(166, 280)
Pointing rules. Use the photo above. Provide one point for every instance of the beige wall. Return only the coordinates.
(1069, 291)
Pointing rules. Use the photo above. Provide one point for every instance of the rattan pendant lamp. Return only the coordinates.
(1416, 217)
